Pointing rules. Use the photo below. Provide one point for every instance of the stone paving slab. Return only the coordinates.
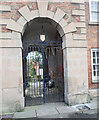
(66, 109)
(39, 110)
(45, 111)
(28, 113)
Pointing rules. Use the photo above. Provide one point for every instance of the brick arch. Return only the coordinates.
(26, 15)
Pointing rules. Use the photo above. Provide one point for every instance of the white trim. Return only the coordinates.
(94, 79)
(93, 23)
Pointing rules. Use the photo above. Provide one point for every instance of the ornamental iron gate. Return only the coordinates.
(43, 73)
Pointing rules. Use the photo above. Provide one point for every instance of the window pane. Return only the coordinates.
(94, 5)
(94, 16)
(93, 67)
(94, 60)
(97, 54)
(94, 73)
(97, 67)
(93, 54)
(95, 63)
(97, 60)
(97, 73)
(98, 5)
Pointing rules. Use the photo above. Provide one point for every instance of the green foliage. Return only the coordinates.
(91, 98)
(20, 110)
(30, 70)
(39, 76)
(37, 57)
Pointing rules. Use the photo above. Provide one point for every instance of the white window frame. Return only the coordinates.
(97, 11)
(94, 79)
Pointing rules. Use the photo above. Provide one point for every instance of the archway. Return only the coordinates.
(42, 63)
(74, 49)
(65, 30)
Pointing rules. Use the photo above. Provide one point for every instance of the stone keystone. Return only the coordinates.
(42, 6)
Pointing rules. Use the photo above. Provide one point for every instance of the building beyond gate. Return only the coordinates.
(43, 51)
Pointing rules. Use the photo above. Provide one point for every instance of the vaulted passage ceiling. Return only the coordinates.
(41, 26)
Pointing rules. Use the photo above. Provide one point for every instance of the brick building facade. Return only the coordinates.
(92, 36)
(72, 21)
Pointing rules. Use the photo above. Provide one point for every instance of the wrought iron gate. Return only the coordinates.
(43, 74)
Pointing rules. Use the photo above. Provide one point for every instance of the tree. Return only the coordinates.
(33, 56)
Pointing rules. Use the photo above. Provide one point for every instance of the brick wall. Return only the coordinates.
(92, 34)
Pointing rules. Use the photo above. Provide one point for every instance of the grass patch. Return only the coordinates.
(20, 110)
(91, 98)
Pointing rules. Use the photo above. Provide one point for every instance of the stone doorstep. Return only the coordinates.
(29, 113)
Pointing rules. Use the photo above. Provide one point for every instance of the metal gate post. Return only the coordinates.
(44, 97)
(24, 81)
